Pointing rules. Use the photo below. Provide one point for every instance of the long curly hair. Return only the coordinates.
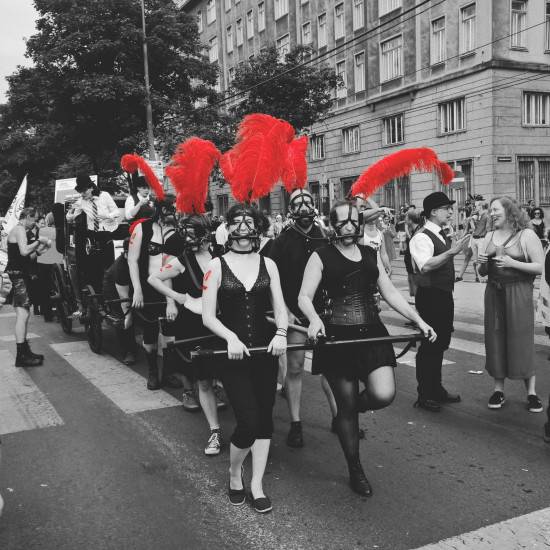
(516, 217)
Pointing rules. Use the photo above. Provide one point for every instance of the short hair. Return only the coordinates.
(29, 211)
(140, 182)
(50, 220)
(200, 223)
(515, 216)
(537, 209)
(243, 209)
(413, 216)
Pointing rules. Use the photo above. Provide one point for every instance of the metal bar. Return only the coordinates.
(320, 343)
(190, 340)
(291, 326)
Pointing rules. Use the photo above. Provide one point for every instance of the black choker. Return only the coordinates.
(241, 251)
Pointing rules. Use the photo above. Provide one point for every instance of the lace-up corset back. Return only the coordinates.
(242, 311)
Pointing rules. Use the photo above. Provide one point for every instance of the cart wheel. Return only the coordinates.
(95, 336)
(62, 302)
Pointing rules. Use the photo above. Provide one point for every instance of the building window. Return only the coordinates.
(341, 91)
(518, 20)
(547, 33)
(261, 16)
(393, 130)
(281, 8)
(231, 74)
(210, 11)
(358, 14)
(322, 30)
(223, 204)
(360, 72)
(468, 29)
(227, 5)
(526, 180)
(350, 140)
(403, 190)
(229, 38)
(544, 181)
(213, 49)
(283, 46)
(389, 194)
(339, 26)
(249, 24)
(240, 37)
(306, 33)
(385, 6)
(451, 116)
(317, 147)
(438, 41)
(536, 109)
(391, 63)
(218, 86)
(199, 20)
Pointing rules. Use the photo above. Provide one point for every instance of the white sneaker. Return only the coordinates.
(214, 444)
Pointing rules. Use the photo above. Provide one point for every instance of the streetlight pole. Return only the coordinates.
(148, 107)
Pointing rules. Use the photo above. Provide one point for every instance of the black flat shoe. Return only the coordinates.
(428, 404)
(237, 496)
(446, 397)
(262, 505)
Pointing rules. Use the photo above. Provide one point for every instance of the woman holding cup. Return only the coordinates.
(512, 257)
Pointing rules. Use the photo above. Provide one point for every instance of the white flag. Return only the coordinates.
(10, 221)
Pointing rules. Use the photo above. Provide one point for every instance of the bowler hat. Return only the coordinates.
(83, 182)
(435, 200)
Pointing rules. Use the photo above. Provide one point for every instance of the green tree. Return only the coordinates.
(84, 98)
(293, 89)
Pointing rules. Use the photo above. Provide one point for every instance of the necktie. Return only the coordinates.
(444, 235)
(96, 219)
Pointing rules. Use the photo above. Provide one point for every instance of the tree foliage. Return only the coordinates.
(84, 98)
(294, 89)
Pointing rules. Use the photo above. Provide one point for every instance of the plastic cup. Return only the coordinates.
(499, 252)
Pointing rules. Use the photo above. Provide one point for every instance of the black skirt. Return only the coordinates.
(354, 361)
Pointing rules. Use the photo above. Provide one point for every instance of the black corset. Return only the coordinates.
(242, 311)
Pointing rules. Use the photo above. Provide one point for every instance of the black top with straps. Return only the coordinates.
(16, 261)
(244, 311)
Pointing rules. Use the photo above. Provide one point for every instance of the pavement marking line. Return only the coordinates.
(527, 531)
(124, 387)
(468, 327)
(22, 405)
(410, 358)
(10, 314)
(11, 337)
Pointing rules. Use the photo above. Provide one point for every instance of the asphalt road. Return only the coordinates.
(87, 472)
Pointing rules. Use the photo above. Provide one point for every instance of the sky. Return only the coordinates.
(17, 22)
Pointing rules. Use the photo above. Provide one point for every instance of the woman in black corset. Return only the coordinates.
(186, 272)
(151, 241)
(245, 285)
(349, 275)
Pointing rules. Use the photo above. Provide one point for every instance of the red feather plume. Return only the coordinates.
(295, 166)
(189, 173)
(130, 163)
(259, 155)
(226, 165)
(398, 164)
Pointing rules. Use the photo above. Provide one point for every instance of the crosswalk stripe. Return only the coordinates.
(11, 337)
(22, 405)
(527, 531)
(124, 387)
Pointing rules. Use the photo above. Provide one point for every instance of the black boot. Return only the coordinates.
(29, 352)
(24, 359)
(153, 382)
(169, 378)
(127, 341)
(357, 478)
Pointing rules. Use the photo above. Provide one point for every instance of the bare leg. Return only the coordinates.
(530, 385)
(379, 391)
(260, 452)
(293, 380)
(21, 322)
(209, 406)
(330, 396)
(467, 258)
(499, 384)
(236, 458)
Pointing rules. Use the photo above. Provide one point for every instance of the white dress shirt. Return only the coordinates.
(422, 247)
(129, 205)
(105, 207)
(222, 234)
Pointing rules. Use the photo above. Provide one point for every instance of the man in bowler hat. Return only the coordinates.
(432, 254)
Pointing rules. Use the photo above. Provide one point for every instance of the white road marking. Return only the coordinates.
(124, 387)
(11, 337)
(22, 405)
(527, 531)
(10, 314)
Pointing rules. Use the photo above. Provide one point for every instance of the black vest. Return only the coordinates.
(145, 210)
(443, 277)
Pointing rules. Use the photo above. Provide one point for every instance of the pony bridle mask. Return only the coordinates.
(252, 234)
(339, 225)
(304, 217)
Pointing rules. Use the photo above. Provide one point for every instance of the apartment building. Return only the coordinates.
(469, 79)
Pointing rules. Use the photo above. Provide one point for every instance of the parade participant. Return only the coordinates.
(349, 274)
(139, 204)
(19, 258)
(538, 226)
(432, 255)
(186, 272)
(388, 232)
(5, 288)
(117, 285)
(290, 252)
(243, 283)
(512, 258)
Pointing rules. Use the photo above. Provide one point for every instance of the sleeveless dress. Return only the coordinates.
(353, 362)
(509, 317)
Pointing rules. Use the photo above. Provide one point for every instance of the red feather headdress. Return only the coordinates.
(130, 163)
(256, 162)
(295, 166)
(398, 164)
(189, 173)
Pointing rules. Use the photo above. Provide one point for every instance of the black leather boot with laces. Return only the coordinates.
(357, 478)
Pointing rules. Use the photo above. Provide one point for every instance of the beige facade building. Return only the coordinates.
(468, 79)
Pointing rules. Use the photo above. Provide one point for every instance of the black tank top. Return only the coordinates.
(17, 262)
(242, 311)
